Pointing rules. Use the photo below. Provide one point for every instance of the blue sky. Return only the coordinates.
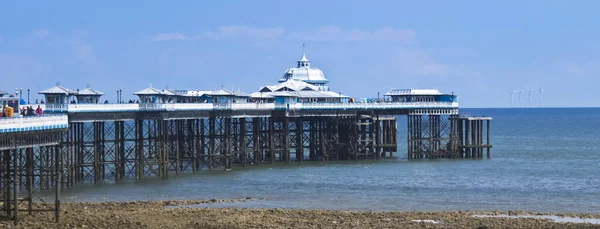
(477, 49)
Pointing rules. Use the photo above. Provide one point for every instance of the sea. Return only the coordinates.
(543, 159)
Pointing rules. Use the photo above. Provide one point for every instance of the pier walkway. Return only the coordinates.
(33, 123)
(430, 107)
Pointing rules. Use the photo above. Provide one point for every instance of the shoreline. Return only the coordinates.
(175, 214)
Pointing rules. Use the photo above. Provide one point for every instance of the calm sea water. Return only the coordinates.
(542, 160)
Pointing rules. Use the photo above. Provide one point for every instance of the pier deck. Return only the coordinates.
(92, 143)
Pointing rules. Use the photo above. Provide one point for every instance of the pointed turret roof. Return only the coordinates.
(303, 62)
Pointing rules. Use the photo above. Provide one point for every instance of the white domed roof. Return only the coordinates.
(304, 72)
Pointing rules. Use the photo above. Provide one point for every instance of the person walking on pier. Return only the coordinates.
(30, 111)
(39, 111)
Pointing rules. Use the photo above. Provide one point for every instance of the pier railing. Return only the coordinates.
(30, 123)
(103, 107)
(383, 106)
(133, 107)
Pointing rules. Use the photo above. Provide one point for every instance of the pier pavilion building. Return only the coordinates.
(88, 95)
(223, 96)
(419, 95)
(58, 95)
(302, 84)
(305, 73)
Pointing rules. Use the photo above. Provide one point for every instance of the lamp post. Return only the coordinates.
(120, 96)
(117, 96)
(377, 96)
(27, 96)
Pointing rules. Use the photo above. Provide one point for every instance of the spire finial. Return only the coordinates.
(303, 62)
(303, 53)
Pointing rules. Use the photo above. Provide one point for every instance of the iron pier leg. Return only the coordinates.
(243, 147)
(57, 187)
(299, 140)
(15, 183)
(488, 138)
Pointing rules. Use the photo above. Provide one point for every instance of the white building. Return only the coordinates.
(305, 73)
(303, 84)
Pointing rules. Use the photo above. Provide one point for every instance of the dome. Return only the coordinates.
(305, 73)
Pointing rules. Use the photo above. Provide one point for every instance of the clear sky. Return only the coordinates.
(477, 49)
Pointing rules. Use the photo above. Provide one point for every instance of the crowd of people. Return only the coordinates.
(29, 111)
(8, 111)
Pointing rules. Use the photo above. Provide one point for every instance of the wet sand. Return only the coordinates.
(167, 214)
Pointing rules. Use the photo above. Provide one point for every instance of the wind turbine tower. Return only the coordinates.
(530, 90)
(511, 97)
(520, 91)
(541, 98)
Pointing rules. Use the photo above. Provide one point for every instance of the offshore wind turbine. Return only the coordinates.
(511, 97)
(541, 99)
(530, 90)
(520, 91)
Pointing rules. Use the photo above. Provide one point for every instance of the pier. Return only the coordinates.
(166, 132)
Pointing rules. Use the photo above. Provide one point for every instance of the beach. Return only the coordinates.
(200, 214)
